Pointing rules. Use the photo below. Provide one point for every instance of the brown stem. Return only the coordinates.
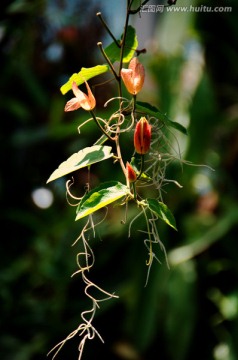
(138, 9)
(108, 30)
(107, 59)
(100, 127)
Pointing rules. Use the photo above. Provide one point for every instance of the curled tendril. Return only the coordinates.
(84, 123)
(69, 183)
(118, 98)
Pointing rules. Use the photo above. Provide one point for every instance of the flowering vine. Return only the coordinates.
(146, 167)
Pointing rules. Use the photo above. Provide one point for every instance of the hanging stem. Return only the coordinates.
(134, 189)
(138, 9)
(123, 41)
(107, 60)
(141, 166)
(100, 127)
(149, 261)
(108, 30)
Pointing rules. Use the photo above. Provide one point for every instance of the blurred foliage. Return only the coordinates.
(189, 311)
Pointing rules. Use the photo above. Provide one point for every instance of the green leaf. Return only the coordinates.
(99, 197)
(85, 157)
(162, 211)
(84, 74)
(113, 52)
(136, 164)
(131, 44)
(146, 108)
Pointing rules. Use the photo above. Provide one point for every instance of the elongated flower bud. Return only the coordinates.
(134, 76)
(131, 174)
(142, 136)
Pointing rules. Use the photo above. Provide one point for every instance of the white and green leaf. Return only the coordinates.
(83, 158)
(100, 197)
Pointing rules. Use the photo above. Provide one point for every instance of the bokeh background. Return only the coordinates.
(189, 311)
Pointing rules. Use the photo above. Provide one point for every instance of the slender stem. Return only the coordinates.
(123, 43)
(118, 148)
(108, 60)
(134, 189)
(108, 30)
(118, 78)
(148, 262)
(100, 127)
(134, 105)
(138, 9)
(141, 166)
(129, 2)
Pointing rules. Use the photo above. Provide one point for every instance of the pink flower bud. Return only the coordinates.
(131, 174)
(142, 136)
(134, 76)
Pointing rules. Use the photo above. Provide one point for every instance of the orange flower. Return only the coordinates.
(87, 102)
(134, 76)
(131, 174)
(142, 136)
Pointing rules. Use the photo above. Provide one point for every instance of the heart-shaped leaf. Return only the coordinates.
(131, 44)
(162, 210)
(100, 197)
(85, 157)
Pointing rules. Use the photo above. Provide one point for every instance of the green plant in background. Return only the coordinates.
(143, 165)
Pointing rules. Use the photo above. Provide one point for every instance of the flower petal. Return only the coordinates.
(87, 102)
(91, 98)
(72, 105)
(133, 63)
(131, 174)
(142, 136)
(134, 76)
(78, 93)
(138, 77)
(127, 78)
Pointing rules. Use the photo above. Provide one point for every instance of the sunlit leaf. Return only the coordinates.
(114, 54)
(131, 44)
(84, 74)
(100, 197)
(147, 108)
(85, 157)
(162, 211)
